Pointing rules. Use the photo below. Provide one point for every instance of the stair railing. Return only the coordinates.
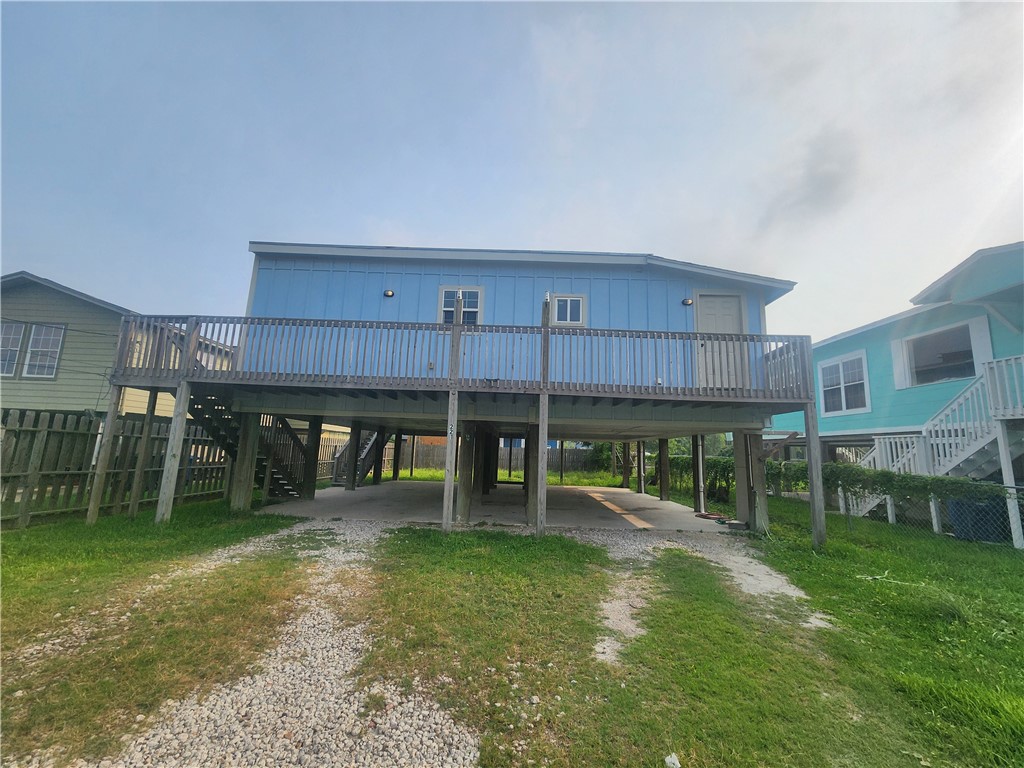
(1005, 379)
(961, 427)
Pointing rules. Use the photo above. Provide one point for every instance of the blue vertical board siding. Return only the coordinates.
(318, 286)
(617, 296)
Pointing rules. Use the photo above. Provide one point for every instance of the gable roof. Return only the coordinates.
(774, 288)
(941, 289)
(15, 279)
(878, 323)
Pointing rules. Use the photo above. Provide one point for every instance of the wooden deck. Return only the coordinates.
(160, 351)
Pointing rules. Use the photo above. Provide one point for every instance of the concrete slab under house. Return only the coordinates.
(475, 346)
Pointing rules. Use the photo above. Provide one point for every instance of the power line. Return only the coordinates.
(58, 325)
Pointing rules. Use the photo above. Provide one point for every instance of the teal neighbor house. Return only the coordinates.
(938, 389)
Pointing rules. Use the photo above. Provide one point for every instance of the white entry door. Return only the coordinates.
(722, 362)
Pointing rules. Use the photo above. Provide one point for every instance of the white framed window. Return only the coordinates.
(11, 336)
(944, 354)
(568, 310)
(43, 351)
(843, 383)
(472, 304)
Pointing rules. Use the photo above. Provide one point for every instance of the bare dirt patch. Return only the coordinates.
(630, 592)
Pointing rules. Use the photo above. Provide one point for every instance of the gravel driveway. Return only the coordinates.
(305, 707)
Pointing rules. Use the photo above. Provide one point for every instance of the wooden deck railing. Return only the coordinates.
(495, 358)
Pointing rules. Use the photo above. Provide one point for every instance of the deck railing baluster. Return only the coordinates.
(497, 358)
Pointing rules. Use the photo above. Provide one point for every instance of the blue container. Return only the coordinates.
(979, 520)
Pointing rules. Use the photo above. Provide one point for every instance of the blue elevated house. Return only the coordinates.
(483, 344)
(935, 390)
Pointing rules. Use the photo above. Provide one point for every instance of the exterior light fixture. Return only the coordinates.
(687, 302)
(388, 294)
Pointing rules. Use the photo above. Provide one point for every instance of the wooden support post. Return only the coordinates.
(815, 484)
(697, 470)
(530, 474)
(103, 459)
(1009, 481)
(741, 454)
(890, 510)
(448, 506)
(664, 478)
(758, 482)
(396, 457)
(626, 465)
(641, 467)
(35, 463)
(541, 488)
(379, 444)
(481, 460)
(495, 459)
(510, 449)
(311, 456)
(452, 435)
(243, 477)
(933, 507)
(142, 459)
(172, 455)
(464, 498)
(412, 454)
(355, 440)
(615, 469)
(561, 462)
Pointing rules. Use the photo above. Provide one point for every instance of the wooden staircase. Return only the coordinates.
(961, 439)
(281, 450)
(363, 464)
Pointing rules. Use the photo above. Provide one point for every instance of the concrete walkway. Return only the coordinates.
(412, 501)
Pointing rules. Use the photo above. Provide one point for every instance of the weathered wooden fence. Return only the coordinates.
(47, 463)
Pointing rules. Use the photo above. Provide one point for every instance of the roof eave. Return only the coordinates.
(14, 278)
(933, 293)
(774, 287)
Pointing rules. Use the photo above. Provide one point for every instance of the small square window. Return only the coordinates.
(568, 310)
(471, 305)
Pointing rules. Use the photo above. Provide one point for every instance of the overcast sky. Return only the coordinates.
(860, 150)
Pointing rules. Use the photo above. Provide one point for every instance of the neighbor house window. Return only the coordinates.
(10, 346)
(945, 354)
(940, 356)
(471, 304)
(844, 385)
(43, 351)
(568, 310)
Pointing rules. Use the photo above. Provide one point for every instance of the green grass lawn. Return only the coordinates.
(200, 630)
(923, 666)
(930, 626)
(499, 619)
(48, 567)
